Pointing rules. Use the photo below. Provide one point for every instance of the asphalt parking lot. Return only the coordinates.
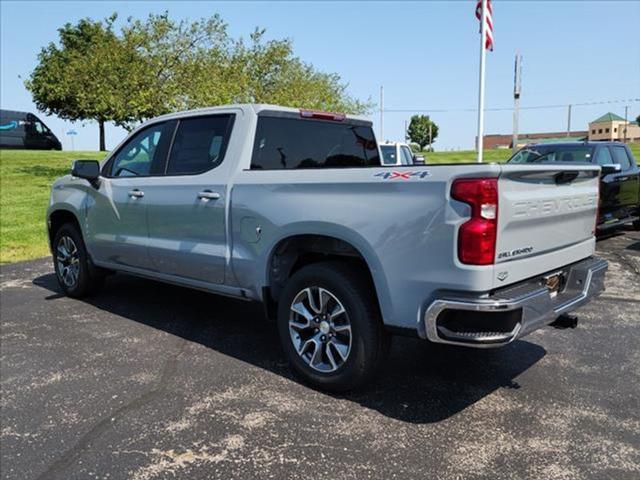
(148, 381)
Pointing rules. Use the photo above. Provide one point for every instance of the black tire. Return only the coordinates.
(369, 342)
(88, 279)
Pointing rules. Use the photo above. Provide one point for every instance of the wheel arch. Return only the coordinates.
(297, 249)
(58, 217)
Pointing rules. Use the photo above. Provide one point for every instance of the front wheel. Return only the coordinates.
(76, 276)
(330, 326)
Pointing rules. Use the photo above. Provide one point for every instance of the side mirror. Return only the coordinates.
(418, 160)
(87, 169)
(611, 168)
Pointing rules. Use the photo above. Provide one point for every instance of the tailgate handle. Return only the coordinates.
(565, 177)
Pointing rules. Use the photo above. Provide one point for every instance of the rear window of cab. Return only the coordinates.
(550, 154)
(283, 143)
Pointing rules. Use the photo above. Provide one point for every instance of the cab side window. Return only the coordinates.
(199, 144)
(603, 156)
(407, 156)
(620, 156)
(40, 128)
(135, 158)
(388, 154)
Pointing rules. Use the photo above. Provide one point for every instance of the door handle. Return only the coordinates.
(208, 195)
(622, 179)
(135, 193)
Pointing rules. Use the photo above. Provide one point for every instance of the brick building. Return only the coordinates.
(504, 141)
(611, 127)
(607, 127)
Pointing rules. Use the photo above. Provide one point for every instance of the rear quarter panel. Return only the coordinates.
(402, 227)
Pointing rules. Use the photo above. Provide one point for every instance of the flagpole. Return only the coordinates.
(483, 52)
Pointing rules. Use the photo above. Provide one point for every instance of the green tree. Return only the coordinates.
(80, 78)
(142, 71)
(175, 57)
(160, 65)
(638, 119)
(422, 130)
(269, 72)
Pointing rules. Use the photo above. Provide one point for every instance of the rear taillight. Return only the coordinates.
(477, 236)
(335, 117)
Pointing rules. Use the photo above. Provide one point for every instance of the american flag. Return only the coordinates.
(488, 42)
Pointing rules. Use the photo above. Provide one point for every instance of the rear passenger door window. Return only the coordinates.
(199, 144)
(603, 156)
(620, 156)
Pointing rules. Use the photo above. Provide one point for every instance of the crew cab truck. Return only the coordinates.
(293, 208)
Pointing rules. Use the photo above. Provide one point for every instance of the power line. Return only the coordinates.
(504, 109)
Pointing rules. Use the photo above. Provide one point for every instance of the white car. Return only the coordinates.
(397, 153)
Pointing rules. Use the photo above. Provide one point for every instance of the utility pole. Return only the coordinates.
(626, 113)
(569, 120)
(381, 113)
(430, 132)
(517, 76)
(483, 51)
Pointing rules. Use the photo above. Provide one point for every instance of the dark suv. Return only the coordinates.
(24, 130)
(620, 177)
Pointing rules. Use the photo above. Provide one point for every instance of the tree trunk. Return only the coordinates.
(101, 127)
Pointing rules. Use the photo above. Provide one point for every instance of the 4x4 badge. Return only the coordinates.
(403, 175)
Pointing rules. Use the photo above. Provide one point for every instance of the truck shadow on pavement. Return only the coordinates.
(420, 383)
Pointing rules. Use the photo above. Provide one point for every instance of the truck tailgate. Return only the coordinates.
(547, 213)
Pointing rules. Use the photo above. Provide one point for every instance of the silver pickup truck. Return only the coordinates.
(292, 208)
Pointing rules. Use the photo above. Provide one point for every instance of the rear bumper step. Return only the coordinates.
(485, 321)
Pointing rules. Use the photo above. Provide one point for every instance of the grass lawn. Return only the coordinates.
(26, 177)
(25, 183)
(467, 156)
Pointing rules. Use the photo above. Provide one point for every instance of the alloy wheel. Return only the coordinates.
(68, 260)
(320, 329)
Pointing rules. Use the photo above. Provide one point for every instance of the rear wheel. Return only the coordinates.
(76, 276)
(330, 326)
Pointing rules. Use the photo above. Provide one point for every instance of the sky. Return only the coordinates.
(425, 54)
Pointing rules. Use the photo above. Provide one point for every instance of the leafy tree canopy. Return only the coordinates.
(422, 130)
(159, 65)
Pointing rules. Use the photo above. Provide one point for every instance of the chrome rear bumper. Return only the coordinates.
(512, 312)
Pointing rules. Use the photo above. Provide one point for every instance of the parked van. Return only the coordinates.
(24, 130)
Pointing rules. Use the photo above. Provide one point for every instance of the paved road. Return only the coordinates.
(148, 381)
